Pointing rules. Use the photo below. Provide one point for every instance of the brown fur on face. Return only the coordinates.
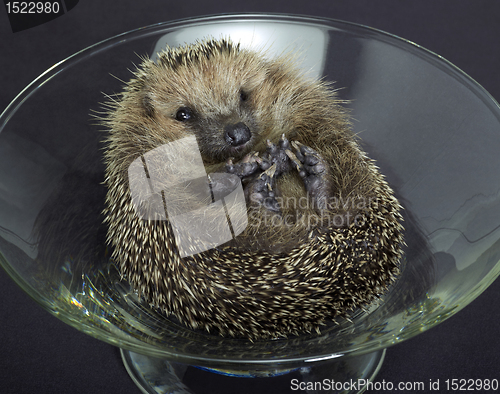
(255, 285)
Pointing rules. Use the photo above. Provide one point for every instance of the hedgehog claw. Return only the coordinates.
(270, 172)
(250, 157)
(284, 143)
(229, 166)
(313, 171)
(293, 158)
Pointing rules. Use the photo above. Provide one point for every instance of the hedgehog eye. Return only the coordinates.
(183, 114)
(243, 96)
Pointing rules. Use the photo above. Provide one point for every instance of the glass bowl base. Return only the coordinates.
(343, 375)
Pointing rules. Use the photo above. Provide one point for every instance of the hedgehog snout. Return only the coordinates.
(237, 134)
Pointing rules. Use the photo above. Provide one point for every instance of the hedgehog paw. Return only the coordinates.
(246, 167)
(277, 154)
(313, 171)
(261, 190)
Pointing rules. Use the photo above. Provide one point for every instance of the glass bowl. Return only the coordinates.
(434, 132)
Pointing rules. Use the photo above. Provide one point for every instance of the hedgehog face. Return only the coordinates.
(224, 127)
(218, 99)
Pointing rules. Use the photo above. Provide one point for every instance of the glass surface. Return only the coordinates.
(434, 132)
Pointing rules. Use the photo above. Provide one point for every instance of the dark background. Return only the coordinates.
(40, 354)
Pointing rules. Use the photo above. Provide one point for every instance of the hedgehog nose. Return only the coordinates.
(237, 134)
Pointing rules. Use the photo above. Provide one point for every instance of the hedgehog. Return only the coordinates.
(319, 234)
